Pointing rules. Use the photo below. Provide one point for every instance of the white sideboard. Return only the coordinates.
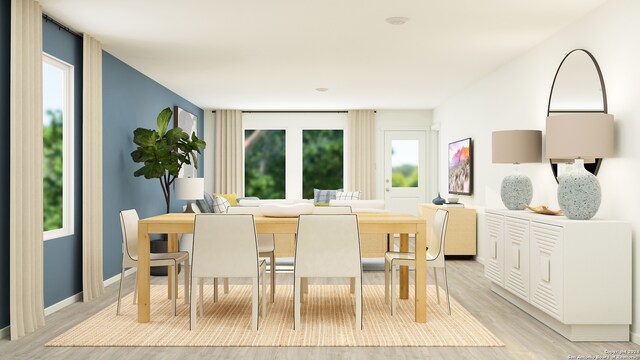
(572, 275)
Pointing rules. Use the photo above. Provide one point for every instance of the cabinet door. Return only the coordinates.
(547, 268)
(494, 265)
(516, 256)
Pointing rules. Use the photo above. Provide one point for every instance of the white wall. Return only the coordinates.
(403, 120)
(515, 97)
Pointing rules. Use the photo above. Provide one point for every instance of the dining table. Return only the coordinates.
(174, 224)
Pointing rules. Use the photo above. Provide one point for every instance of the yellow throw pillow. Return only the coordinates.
(231, 198)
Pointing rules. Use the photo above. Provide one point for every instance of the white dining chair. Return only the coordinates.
(266, 244)
(328, 246)
(226, 246)
(435, 259)
(129, 225)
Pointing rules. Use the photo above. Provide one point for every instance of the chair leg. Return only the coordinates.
(215, 290)
(272, 272)
(201, 297)
(174, 293)
(264, 294)
(135, 289)
(254, 305)
(358, 295)
(304, 288)
(352, 285)
(394, 270)
(194, 300)
(296, 303)
(120, 291)
(226, 285)
(446, 286)
(435, 276)
(386, 281)
(187, 271)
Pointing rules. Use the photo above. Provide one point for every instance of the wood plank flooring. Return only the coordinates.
(525, 337)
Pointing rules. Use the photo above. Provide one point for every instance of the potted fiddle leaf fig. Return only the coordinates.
(163, 152)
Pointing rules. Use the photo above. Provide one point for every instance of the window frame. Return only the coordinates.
(294, 124)
(68, 168)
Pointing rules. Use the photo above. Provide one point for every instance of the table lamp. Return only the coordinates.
(189, 189)
(516, 147)
(579, 137)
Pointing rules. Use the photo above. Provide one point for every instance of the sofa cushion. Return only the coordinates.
(286, 210)
(220, 205)
(232, 198)
(206, 204)
(324, 196)
(348, 195)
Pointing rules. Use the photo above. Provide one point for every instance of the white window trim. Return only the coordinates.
(294, 124)
(68, 210)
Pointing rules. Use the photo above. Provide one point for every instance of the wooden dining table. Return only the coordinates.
(175, 224)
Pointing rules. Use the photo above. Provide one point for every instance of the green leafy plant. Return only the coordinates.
(163, 152)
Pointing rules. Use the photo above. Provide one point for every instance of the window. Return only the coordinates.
(404, 163)
(57, 121)
(287, 155)
(264, 163)
(322, 160)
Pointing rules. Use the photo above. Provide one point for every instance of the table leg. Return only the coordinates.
(421, 273)
(404, 270)
(144, 302)
(172, 246)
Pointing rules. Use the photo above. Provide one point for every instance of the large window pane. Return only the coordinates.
(264, 163)
(322, 160)
(53, 105)
(404, 163)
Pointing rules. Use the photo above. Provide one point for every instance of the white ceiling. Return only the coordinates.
(272, 54)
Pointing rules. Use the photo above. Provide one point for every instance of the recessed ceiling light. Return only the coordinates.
(322, 89)
(396, 20)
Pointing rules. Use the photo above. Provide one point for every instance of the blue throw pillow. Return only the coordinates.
(324, 196)
(206, 205)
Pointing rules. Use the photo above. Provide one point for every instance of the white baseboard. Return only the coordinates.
(479, 259)
(635, 337)
(62, 304)
(116, 278)
(5, 332)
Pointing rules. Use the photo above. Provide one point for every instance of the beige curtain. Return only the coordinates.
(361, 158)
(229, 176)
(26, 299)
(92, 279)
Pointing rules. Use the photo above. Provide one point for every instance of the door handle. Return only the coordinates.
(387, 189)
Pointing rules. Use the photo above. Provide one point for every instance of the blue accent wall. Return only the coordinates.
(130, 100)
(63, 256)
(5, 39)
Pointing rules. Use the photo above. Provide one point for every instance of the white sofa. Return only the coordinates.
(361, 205)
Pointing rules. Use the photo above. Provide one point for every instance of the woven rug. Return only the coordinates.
(327, 319)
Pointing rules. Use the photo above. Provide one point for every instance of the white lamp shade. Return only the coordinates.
(579, 135)
(189, 188)
(516, 146)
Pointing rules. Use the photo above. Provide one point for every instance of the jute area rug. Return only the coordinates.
(328, 319)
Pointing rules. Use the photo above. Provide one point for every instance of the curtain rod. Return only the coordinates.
(294, 111)
(60, 25)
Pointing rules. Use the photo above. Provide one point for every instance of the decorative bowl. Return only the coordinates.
(452, 200)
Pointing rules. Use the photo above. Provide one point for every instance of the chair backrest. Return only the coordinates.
(328, 245)
(224, 245)
(129, 225)
(332, 210)
(439, 233)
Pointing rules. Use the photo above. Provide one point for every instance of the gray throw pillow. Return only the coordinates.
(324, 196)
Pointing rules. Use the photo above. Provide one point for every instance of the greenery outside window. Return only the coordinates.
(264, 163)
(322, 160)
(57, 121)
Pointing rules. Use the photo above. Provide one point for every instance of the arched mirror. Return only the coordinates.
(578, 87)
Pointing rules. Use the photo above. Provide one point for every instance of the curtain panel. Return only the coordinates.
(229, 175)
(92, 277)
(361, 157)
(26, 298)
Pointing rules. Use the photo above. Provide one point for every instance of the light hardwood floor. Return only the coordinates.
(524, 337)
